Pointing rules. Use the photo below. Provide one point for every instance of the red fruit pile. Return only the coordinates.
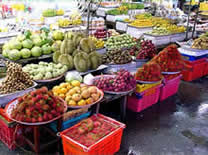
(149, 72)
(101, 33)
(147, 50)
(169, 59)
(134, 51)
(90, 130)
(123, 81)
(38, 106)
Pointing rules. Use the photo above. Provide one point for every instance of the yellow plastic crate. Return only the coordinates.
(142, 87)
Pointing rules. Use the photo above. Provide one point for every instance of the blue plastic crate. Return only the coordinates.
(69, 123)
(192, 58)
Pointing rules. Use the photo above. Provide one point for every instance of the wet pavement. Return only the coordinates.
(176, 126)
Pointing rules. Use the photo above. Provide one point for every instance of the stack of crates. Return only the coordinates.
(146, 95)
(196, 61)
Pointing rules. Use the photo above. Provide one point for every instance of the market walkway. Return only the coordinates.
(177, 126)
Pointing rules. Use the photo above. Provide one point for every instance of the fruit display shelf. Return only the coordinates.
(30, 60)
(160, 40)
(101, 11)
(113, 18)
(137, 32)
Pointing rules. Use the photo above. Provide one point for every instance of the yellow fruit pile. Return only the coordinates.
(142, 23)
(76, 94)
(59, 12)
(172, 28)
(99, 43)
(67, 22)
(128, 20)
(123, 8)
(157, 21)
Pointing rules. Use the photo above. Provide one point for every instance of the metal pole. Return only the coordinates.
(88, 17)
(187, 27)
(195, 20)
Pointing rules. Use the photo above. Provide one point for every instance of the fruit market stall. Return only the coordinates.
(58, 76)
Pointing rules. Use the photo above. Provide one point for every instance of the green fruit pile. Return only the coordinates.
(119, 42)
(77, 51)
(159, 31)
(49, 13)
(44, 70)
(29, 45)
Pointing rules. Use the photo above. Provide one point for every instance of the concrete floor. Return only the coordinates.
(177, 126)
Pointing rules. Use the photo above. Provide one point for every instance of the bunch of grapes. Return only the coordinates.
(147, 51)
(123, 81)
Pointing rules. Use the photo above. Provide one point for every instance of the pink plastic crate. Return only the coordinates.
(144, 99)
(170, 87)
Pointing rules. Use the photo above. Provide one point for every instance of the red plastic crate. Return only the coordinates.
(170, 87)
(196, 69)
(144, 100)
(8, 135)
(108, 145)
(206, 68)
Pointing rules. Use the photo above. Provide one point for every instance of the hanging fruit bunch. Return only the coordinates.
(149, 72)
(169, 59)
(147, 50)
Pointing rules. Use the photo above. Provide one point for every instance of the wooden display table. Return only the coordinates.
(35, 143)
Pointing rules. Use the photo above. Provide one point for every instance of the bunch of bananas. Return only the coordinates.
(143, 16)
(64, 22)
(142, 23)
(59, 12)
(77, 21)
(123, 8)
(99, 43)
(172, 28)
(4, 29)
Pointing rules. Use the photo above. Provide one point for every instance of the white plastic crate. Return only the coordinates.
(121, 26)
(112, 18)
(137, 32)
(158, 40)
(177, 37)
(136, 11)
(193, 52)
(102, 11)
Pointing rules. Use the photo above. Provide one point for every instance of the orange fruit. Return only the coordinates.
(63, 90)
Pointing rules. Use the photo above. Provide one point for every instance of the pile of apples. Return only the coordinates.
(90, 130)
(38, 106)
(149, 72)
